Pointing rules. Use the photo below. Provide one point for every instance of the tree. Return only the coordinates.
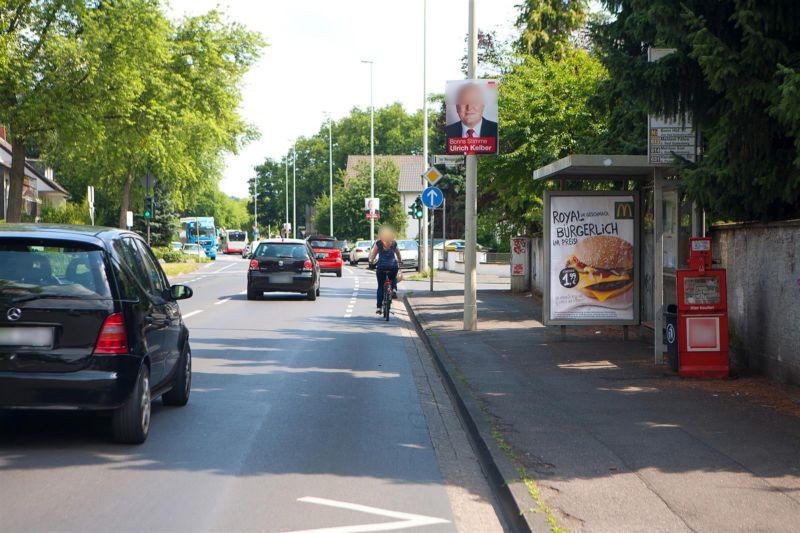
(171, 107)
(735, 73)
(271, 193)
(43, 74)
(549, 25)
(348, 205)
(163, 218)
(545, 115)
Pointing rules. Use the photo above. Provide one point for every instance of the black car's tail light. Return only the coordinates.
(308, 266)
(112, 339)
(254, 265)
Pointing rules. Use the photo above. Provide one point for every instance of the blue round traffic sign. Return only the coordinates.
(432, 197)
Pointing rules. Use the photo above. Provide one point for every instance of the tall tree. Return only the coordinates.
(549, 25)
(43, 76)
(544, 115)
(735, 73)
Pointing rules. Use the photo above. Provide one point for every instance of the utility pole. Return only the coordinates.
(255, 206)
(330, 169)
(424, 225)
(371, 146)
(286, 186)
(471, 207)
(294, 191)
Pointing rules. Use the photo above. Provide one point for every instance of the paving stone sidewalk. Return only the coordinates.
(613, 442)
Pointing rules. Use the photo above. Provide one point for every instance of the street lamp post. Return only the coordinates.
(423, 237)
(255, 205)
(371, 146)
(286, 188)
(471, 207)
(330, 170)
(294, 191)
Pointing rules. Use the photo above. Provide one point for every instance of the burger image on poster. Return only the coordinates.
(605, 267)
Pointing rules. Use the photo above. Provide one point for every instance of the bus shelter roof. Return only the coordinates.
(596, 167)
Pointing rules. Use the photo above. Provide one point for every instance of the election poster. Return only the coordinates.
(471, 117)
(591, 245)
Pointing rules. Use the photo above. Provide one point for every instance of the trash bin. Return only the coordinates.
(671, 335)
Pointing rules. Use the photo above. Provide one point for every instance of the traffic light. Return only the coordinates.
(417, 208)
(148, 207)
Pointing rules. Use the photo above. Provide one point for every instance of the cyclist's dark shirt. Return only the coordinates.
(386, 256)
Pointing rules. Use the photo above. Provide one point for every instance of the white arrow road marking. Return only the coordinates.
(406, 520)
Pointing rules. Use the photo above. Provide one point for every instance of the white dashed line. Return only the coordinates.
(193, 313)
(226, 300)
(243, 292)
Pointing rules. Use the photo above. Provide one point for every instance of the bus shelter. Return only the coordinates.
(662, 223)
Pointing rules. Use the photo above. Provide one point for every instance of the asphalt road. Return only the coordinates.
(301, 413)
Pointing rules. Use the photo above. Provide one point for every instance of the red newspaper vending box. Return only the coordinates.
(702, 315)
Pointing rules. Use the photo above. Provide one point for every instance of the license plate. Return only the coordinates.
(280, 278)
(26, 337)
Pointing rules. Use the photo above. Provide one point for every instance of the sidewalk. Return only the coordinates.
(606, 440)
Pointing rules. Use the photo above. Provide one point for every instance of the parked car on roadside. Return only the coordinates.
(327, 254)
(89, 321)
(177, 246)
(194, 250)
(360, 252)
(409, 252)
(344, 247)
(283, 265)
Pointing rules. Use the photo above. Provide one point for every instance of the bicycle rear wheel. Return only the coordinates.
(387, 305)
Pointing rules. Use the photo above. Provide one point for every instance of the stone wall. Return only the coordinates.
(763, 270)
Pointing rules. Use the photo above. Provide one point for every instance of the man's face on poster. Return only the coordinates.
(470, 105)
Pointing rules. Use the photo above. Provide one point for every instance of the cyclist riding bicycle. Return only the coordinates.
(389, 259)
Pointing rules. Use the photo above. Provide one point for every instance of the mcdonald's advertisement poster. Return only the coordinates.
(592, 270)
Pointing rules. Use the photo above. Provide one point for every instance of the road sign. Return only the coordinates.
(432, 175)
(668, 139)
(129, 219)
(449, 161)
(432, 197)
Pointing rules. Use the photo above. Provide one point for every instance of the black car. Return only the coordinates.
(89, 321)
(283, 265)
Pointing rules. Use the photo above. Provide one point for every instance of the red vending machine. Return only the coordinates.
(702, 315)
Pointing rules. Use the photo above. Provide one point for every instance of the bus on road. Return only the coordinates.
(233, 241)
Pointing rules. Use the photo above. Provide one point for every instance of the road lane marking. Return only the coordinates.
(193, 313)
(223, 268)
(226, 300)
(405, 520)
(243, 292)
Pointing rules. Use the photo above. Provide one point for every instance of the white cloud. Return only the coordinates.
(313, 62)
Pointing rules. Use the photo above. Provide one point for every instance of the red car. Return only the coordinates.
(329, 256)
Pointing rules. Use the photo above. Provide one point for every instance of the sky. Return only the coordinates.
(313, 61)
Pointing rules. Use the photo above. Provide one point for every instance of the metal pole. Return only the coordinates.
(286, 187)
(424, 232)
(444, 219)
(371, 150)
(658, 266)
(330, 169)
(255, 205)
(471, 207)
(294, 191)
(432, 270)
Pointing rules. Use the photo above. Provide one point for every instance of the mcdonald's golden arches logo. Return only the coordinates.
(623, 210)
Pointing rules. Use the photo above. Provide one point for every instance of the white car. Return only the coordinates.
(360, 252)
(194, 249)
(409, 252)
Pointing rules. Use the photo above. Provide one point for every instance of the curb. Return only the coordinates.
(519, 509)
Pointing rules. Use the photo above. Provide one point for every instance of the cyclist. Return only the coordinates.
(389, 259)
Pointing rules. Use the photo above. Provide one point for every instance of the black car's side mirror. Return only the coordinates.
(180, 292)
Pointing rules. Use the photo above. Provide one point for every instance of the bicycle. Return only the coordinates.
(387, 298)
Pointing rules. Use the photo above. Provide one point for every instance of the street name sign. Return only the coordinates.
(449, 161)
(668, 139)
(432, 197)
(432, 175)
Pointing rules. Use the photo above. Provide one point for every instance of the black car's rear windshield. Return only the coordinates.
(56, 269)
(282, 250)
(323, 243)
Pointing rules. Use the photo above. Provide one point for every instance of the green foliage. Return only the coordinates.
(168, 255)
(545, 115)
(69, 213)
(548, 25)
(735, 72)
(348, 205)
(164, 220)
